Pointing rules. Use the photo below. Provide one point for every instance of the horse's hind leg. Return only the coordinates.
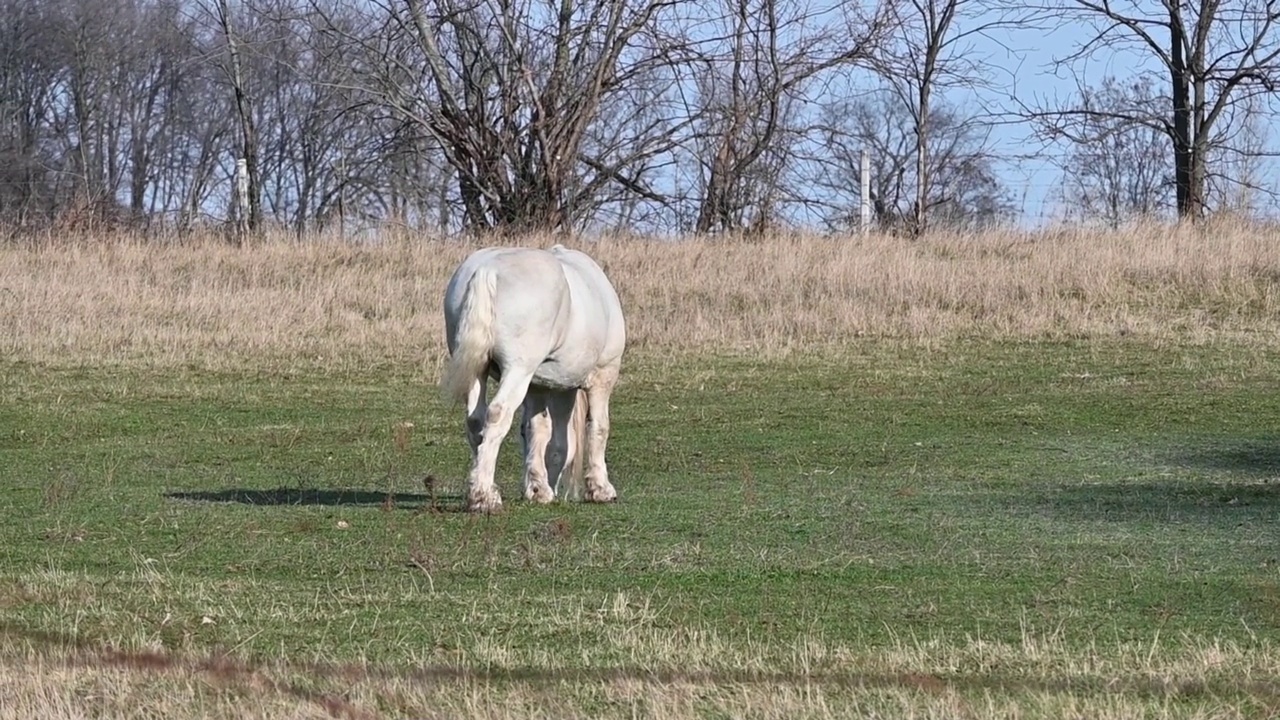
(563, 468)
(599, 489)
(482, 492)
(536, 431)
(475, 414)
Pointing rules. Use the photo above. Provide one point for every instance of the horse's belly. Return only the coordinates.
(559, 375)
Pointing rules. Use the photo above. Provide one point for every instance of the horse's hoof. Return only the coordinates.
(602, 495)
(541, 495)
(489, 503)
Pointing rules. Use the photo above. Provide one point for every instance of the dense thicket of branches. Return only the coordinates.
(963, 188)
(509, 115)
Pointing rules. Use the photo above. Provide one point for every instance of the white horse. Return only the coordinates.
(548, 326)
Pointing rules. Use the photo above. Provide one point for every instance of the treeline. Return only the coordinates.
(500, 115)
(125, 111)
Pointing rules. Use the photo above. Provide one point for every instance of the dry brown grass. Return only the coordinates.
(119, 300)
(699, 675)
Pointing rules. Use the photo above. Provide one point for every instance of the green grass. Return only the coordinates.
(812, 516)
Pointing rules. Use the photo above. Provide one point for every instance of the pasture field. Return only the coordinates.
(209, 515)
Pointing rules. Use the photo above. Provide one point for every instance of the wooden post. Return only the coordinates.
(864, 178)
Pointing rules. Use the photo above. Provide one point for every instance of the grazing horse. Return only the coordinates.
(548, 326)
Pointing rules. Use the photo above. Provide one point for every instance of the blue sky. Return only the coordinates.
(1021, 61)
(1034, 182)
(1024, 63)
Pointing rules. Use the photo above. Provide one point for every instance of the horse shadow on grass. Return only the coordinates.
(1221, 483)
(327, 497)
(1254, 459)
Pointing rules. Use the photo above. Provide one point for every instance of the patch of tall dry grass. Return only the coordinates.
(336, 304)
(1039, 678)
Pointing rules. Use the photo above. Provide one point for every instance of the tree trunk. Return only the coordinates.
(1183, 154)
(922, 162)
(248, 133)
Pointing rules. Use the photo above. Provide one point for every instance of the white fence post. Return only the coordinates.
(242, 197)
(864, 178)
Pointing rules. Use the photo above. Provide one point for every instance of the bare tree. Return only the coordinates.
(509, 91)
(29, 70)
(151, 88)
(93, 47)
(965, 190)
(751, 89)
(237, 79)
(933, 49)
(189, 158)
(1123, 172)
(1235, 169)
(631, 153)
(1213, 55)
(314, 144)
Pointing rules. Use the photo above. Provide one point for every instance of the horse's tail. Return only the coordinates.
(470, 359)
(578, 426)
